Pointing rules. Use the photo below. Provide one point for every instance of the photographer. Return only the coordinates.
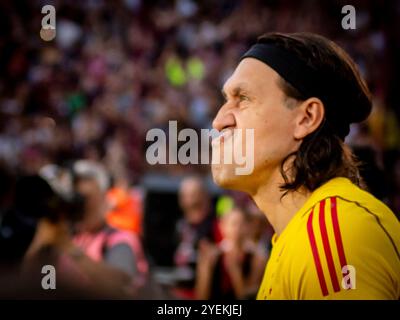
(39, 198)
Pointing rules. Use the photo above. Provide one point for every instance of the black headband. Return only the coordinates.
(308, 81)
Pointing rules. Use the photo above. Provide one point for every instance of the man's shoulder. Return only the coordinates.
(346, 189)
(351, 218)
(348, 197)
(345, 226)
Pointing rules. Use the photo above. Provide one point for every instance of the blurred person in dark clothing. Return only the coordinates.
(259, 230)
(16, 229)
(367, 154)
(233, 268)
(198, 223)
(120, 249)
(372, 174)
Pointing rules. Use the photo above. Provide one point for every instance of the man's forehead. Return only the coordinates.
(251, 74)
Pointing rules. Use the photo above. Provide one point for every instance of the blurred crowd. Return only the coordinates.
(74, 113)
(71, 219)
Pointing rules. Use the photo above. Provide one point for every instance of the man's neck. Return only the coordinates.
(279, 209)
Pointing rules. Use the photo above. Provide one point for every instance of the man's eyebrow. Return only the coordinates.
(241, 87)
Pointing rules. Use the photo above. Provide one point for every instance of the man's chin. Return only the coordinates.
(225, 179)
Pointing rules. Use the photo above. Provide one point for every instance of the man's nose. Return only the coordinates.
(224, 119)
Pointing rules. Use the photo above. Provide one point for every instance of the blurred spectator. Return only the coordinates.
(198, 223)
(259, 231)
(125, 207)
(232, 269)
(119, 249)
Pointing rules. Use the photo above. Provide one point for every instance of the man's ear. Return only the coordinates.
(310, 115)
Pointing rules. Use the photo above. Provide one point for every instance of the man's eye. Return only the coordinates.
(243, 97)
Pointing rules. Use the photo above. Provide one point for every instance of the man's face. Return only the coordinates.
(254, 101)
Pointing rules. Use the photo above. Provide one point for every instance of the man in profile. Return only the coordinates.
(333, 240)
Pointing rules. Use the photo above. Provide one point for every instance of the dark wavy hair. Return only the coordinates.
(322, 155)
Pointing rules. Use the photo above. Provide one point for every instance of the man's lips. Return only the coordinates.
(224, 135)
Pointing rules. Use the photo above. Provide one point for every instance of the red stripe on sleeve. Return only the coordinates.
(327, 248)
(338, 236)
(314, 250)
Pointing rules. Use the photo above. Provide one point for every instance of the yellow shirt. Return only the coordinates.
(342, 244)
